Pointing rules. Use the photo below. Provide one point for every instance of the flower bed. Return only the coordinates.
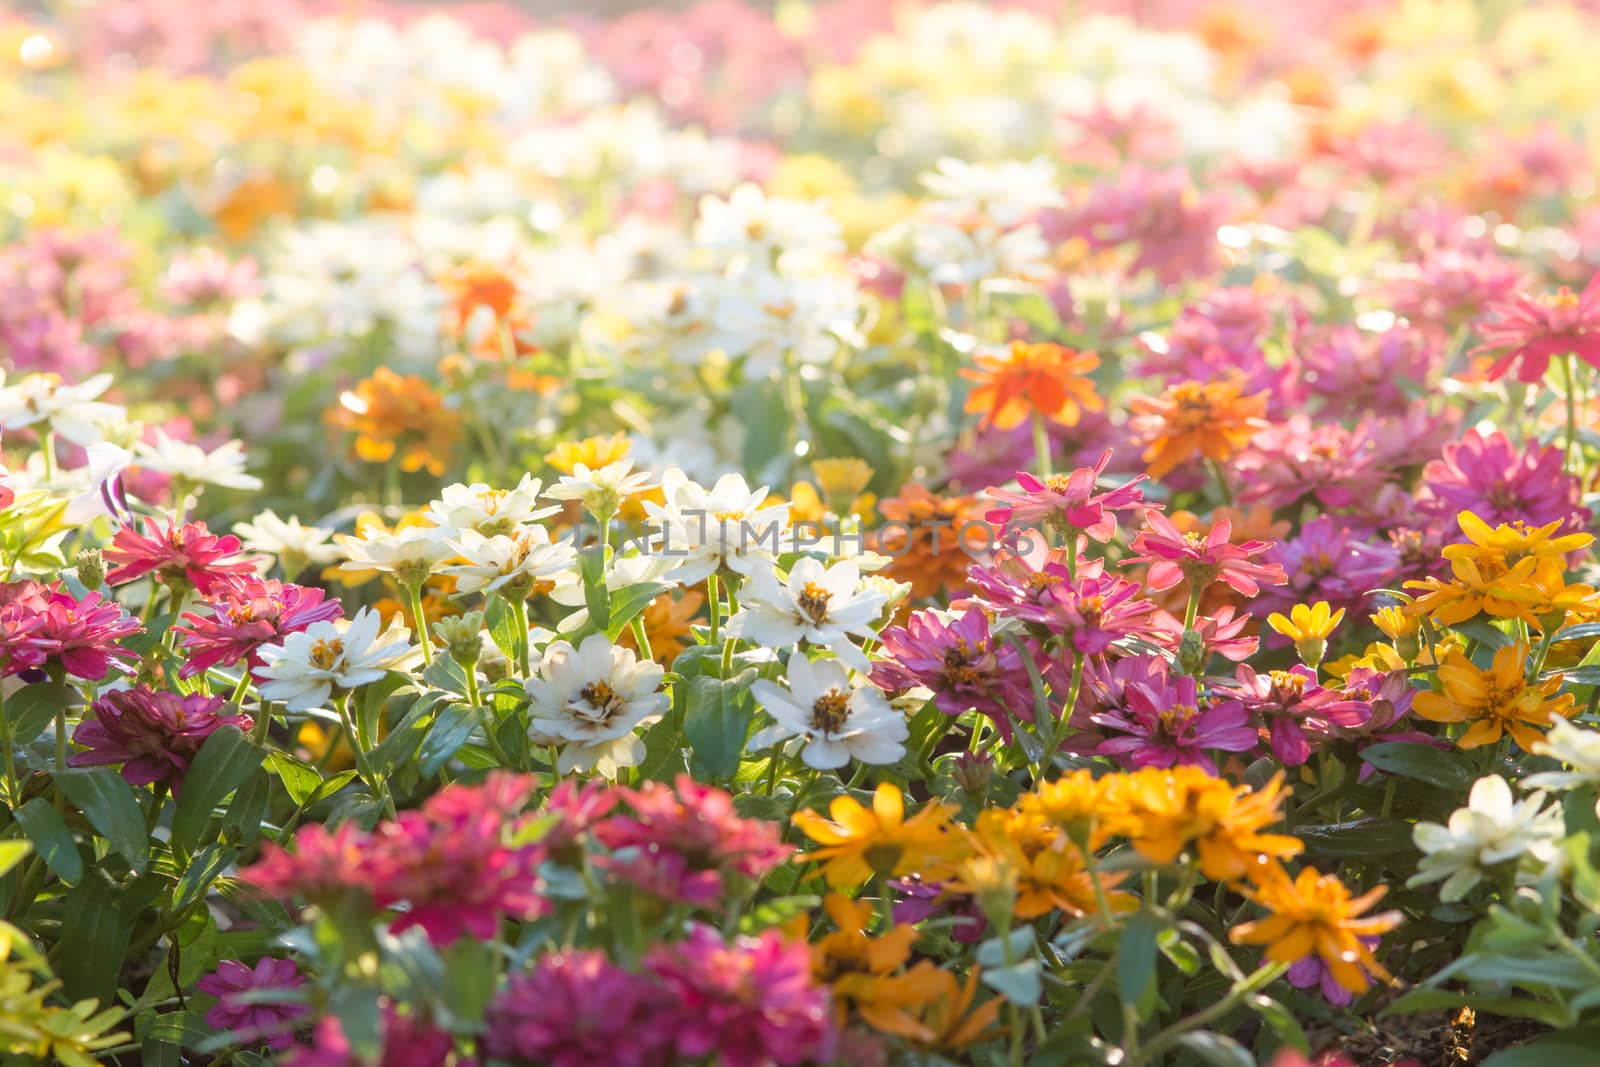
(849, 534)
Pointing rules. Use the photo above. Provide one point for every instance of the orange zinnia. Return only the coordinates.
(1212, 419)
(399, 417)
(928, 536)
(477, 285)
(1044, 379)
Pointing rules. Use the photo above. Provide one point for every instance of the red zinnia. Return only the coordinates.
(190, 553)
(1532, 330)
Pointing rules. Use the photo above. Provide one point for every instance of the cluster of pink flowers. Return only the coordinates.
(42, 626)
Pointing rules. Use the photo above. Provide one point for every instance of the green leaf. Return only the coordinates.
(1358, 839)
(1020, 983)
(13, 853)
(445, 737)
(49, 833)
(223, 764)
(626, 603)
(401, 744)
(717, 716)
(1424, 763)
(502, 626)
(94, 938)
(248, 809)
(1281, 1021)
(1438, 999)
(1484, 633)
(111, 808)
(1576, 675)
(1217, 1050)
(1136, 960)
(1576, 633)
(592, 566)
(201, 872)
(31, 708)
(299, 778)
(1568, 1046)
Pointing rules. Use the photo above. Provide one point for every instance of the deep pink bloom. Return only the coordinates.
(153, 734)
(82, 635)
(685, 843)
(1389, 152)
(964, 665)
(1169, 726)
(1328, 560)
(1175, 557)
(751, 1003)
(1019, 585)
(247, 1020)
(1171, 224)
(1221, 634)
(1531, 331)
(1501, 482)
(244, 614)
(408, 1041)
(1357, 372)
(190, 554)
(1287, 702)
(1449, 287)
(323, 864)
(578, 808)
(1098, 610)
(1069, 502)
(576, 1009)
(22, 616)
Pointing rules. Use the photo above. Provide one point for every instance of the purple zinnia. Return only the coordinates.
(1500, 482)
(246, 1019)
(570, 1011)
(1168, 726)
(962, 663)
(154, 735)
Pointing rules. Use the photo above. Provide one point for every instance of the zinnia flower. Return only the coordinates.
(1493, 829)
(1210, 419)
(82, 635)
(1175, 557)
(962, 663)
(861, 842)
(576, 1009)
(1496, 701)
(1530, 331)
(751, 1003)
(401, 418)
(1315, 913)
(1502, 482)
(188, 555)
(1045, 379)
(1069, 501)
(1170, 726)
(245, 616)
(304, 668)
(247, 1020)
(153, 734)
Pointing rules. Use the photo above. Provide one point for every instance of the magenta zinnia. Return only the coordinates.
(153, 735)
(1069, 502)
(179, 555)
(82, 635)
(1175, 557)
(244, 615)
(248, 1020)
(1531, 331)
(576, 1009)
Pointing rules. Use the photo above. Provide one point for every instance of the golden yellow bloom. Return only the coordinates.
(1305, 623)
(1314, 913)
(860, 842)
(1474, 590)
(1396, 625)
(945, 1008)
(1076, 804)
(1210, 419)
(1184, 805)
(592, 452)
(1495, 701)
(861, 969)
(399, 418)
(1506, 545)
(1048, 867)
(1044, 379)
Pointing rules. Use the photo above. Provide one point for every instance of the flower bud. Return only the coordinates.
(91, 568)
(459, 635)
(972, 772)
(1192, 652)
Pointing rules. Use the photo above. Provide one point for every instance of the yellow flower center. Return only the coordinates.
(830, 711)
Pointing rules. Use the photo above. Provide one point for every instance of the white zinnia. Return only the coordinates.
(411, 554)
(839, 722)
(189, 463)
(1491, 830)
(823, 606)
(589, 700)
(303, 670)
(488, 511)
(69, 410)
(496, 562)
(729, 525)
(298, 546)
(752, 230)
(1005, 193)
(1578, 748)
(602, 489)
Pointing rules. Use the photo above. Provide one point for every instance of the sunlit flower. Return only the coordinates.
(507, 564)
(576, 1008)
(304, 669)
(1493, 829)
(592, 452)
(1574, 746)
(729, 525)
(295, 546)
(1210, 419)
(602, 490)
(668, 625)
(400, 418)
(1172, 727)
(929, 538)
(1529, 331)
(179, 556)
(1176, 557)
(242, 616)
(589, 700)
(1315, 913)
(73, 411)
(83, 635)
(1049, 872)
(1069, 501)
(193, 465)
(825, 606)
(487, 511)
(1173, 809)
(838, 720)
(1496, 701)
(1042, 379)
(859, 842)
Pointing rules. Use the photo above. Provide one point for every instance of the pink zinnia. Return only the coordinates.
(154, 735)
(22, 610)
(1533, 330)
(324, 864)
(1222, 634)
(247, 1020)
(408, 1041)
(1501, 481)
(1098, 610)
(964, 665)
(189, 554)
(577, 1009)
(1175, 557)
(1070, 502)
(82, 635)
(1169, 727)
(246, 614)
(751, 1003)
(1288, 702)
(686, 843)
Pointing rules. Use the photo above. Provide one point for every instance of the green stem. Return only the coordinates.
(1572, 412)
(714, 605)
(1263, 976)
(358, 745)
(420, 624)
(1041, 445)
